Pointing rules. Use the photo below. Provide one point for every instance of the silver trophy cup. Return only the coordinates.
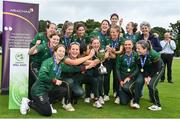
(101, 56)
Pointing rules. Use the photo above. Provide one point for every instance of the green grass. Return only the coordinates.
(169, 96)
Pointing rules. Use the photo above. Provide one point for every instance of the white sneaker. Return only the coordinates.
(24, 107)
(115, 94)
(131, 103)
(101, 100)
(154, 108)
(97, 104)
(52, 109)
(92, 95)
(135, 106)
(117, 100)
(63, 101)
(87, 100)
(68, 107)
(106, 98)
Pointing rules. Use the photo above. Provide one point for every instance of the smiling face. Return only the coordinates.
(54, 40)
(96, 44)
(129, 27)
(140, 50)
(74, 51)
(81, 32)
(60, 52)
(52, 29)
(145, 30)
(114, 33)
(105, 26)
(114, 20)
(69, 31)
(128, 46)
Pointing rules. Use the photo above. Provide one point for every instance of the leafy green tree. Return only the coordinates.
(160, 31)
(175, 29)
(91, 25)
(42, 25)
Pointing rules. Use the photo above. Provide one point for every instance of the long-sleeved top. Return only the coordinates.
(154, 42)
(168, 47)
(50, 71)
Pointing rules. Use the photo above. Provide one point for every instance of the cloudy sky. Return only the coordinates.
(157, 12)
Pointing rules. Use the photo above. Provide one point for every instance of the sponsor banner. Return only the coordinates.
(19, 68)
(20, 24)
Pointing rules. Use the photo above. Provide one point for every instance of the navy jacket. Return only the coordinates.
(154, 41)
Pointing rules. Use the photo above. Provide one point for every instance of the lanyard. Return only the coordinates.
(57, 68)
(143, 60)
(128, 60)
(67, 41)
(114, 44)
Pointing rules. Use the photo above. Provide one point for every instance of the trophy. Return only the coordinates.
(101, 56)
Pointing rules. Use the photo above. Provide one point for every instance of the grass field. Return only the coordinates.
(169, 96)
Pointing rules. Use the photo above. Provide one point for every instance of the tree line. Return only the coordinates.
(91, 25)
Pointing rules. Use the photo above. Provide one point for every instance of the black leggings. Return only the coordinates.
(42, 103)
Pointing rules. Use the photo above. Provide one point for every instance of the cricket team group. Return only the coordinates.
(69, 65)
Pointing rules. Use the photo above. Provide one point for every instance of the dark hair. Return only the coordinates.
(145, 44)
(134, 25)
(80, 24)
(54, 34)
(65, 26)
(60, 45)
(105, 20)
(114, 14)
(48, 24)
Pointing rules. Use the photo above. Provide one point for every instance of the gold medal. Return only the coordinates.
(142, 70)
(128, 69)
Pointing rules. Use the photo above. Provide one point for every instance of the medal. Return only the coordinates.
(128, 62)
(143, 62)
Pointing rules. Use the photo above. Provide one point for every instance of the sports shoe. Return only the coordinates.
(52, 109)
(97, 104)
(68, 107)
(135, 106)
(115, 94)
(101, 100)
(92, 95)
(87, 100)
(106, 98)
(24, 107)
(154, 108)
(131, 103)
(117, 100)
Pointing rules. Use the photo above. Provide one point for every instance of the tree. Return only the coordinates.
(91, 25)
(42, 25)
(160, 31)
(175, 29)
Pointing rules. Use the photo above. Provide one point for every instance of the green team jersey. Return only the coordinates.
(66, 41)
(50, 70)
(133, 37)
(126, 66)
(39, 36)
(116, 43)
(152, 63)
(44, 52)
(83, 42)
